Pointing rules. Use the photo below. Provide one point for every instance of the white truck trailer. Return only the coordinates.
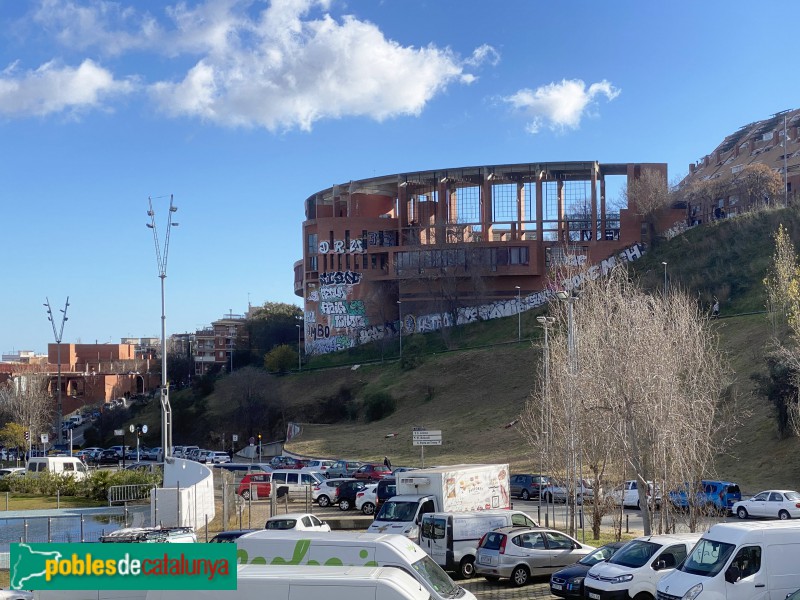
(457, 488)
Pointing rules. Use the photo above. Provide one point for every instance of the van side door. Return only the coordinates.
(433, 537)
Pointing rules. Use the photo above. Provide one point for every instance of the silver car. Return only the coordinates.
(519, 553)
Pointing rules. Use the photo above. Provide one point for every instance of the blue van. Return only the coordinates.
(717, 495)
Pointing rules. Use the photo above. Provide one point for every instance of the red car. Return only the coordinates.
(256, 485)
(372, 472)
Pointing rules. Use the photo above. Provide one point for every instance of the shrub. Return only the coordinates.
(378, 405)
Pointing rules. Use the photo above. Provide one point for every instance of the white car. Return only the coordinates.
(320, 466)
(628, 494)
(296, 522)
(7, 471)
(217, 457)
(557, 491)
(775, 504)
(324, 493)
(367, 499)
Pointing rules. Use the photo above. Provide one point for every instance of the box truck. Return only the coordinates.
(739, 561)
(457, 488)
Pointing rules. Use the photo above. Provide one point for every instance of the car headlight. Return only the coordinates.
(693, 592)
(622, 578)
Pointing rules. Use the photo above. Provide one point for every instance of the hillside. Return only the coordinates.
(473, 394)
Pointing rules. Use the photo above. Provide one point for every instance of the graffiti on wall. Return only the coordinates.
(340, 322)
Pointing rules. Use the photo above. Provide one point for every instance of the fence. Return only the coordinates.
(128, 493)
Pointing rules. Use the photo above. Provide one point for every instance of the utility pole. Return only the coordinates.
(58, 337)
(166, 409)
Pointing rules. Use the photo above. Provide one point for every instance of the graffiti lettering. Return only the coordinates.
(347, 321)
(333, 308)
(313, 296)
(356, 247)
(320, 331)
(340, 277)
(324, 247)
(333, 292)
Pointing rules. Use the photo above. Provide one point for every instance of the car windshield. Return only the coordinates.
(707, 558)
(597, 556)
(436, 578)
(634, 554)
(397, 511)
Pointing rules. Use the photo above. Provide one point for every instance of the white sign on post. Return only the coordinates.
(235, 437)
(45, 438)
(424, 437)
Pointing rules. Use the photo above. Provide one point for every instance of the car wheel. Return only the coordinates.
(246, 494)
(324, 501)
(525, 495)
(519, 576)
(467, 569)
(368, 508)
(492, 578)
(741, 512)
(783, 515)
(344, 504)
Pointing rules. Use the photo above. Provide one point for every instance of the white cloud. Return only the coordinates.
(54, 88)
(559, 105)
(483, 54)
(284, 69)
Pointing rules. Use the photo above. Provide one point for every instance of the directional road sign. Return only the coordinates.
(426, 437)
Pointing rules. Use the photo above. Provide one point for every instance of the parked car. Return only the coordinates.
(774, 504)
(712, 496)
(285, 462)
(557, 491)
(387, 488)
(568, 582)
(109, 456)
(366, 499)
(296, 521)
(636, 568)
(152, 454)
(519, 553)
(320, 466)
(628, 494)
(372, 472)
(217, 457)
(343, 468)
(12, 471)
(294, 481)
(346, 494)
(324, 493)
(527, 486)
(239, 470)
(230, 536)
(255, 485)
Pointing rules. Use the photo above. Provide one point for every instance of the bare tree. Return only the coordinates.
(25, 400)
(758, 184)
(648, 388)
(649, 194)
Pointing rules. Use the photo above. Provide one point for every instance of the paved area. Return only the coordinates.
(503, 590)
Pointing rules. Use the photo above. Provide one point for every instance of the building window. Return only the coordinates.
(312, 243)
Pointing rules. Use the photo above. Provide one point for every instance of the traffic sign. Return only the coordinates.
(45, 438)
(132, 428)
(119, 432)
(426, 437)
(235, 437)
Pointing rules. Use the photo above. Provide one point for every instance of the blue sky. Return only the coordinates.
(243, 109)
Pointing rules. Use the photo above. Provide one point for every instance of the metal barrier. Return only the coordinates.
(128, 493)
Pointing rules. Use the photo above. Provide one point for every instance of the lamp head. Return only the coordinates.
(562, 295)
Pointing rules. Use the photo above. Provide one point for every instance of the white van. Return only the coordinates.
(311, 583)
(282, 583)
(348, 549)
(739, 561)
(60, 465)
(636, 568)
(451, 539)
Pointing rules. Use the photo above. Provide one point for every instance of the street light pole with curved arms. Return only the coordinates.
(58, 336)
(166, 409)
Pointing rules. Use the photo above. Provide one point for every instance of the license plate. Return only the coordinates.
(486, 560)
(594, 596)
(556, 586)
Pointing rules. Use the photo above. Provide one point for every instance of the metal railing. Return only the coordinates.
(129, 492)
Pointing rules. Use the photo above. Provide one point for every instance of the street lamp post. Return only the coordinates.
(299, 364)
(519, 314)
(665, 279)
(166, 409)
(58, 336)
(546, 323)
(400, 313)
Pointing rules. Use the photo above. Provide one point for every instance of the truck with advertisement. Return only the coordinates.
(456, 488)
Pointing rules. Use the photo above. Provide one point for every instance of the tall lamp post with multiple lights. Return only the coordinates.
(58, 336)
(400, 313)
(546, 323)
(161, 258)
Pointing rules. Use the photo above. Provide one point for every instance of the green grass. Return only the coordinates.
(26, 502)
